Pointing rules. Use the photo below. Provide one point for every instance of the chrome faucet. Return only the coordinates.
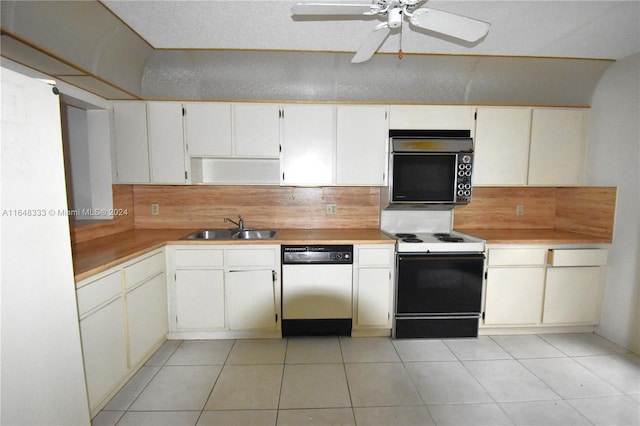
(239, 223)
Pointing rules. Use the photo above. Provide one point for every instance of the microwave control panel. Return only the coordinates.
(464, 169)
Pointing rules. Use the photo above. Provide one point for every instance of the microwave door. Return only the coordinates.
(423, 178)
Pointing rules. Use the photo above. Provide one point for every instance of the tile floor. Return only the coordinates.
(556, 379)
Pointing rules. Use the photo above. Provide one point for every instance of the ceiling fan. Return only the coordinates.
(450, 24)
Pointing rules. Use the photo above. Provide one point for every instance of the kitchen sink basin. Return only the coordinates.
(257, 234)
(232, 234)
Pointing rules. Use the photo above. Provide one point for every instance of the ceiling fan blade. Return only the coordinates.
(450, 24)
(330, 9)
(371, 44)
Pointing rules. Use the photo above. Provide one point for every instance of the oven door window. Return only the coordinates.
(439, 284)
(424, 177)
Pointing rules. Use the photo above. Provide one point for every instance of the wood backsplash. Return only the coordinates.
(277, 207)
(587, 210)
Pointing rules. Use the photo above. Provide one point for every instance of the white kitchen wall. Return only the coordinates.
(613, 158)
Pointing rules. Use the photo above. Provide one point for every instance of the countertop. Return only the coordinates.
(98, 255)
(534, 236)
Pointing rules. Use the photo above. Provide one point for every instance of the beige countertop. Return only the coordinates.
(98, 255)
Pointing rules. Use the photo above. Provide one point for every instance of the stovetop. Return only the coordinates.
(437, 242)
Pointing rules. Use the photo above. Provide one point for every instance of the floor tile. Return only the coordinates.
(381, 384)
(265, 351)
(201, 352)
(583, 344)
(568, 378)
(125, 397)
(164, 352)
(313, 350)
(246, 387)
(446, 383)
(178, 388)
(508, 381)
(396, 416)
(621, 371)
(368, 349)
(411, 350)
(609, 410)
(159, 418)
(527, 346)
(314, 386)
(316, 417)
(238, 417)
(544, 413)
(481, 348)
(469, 415)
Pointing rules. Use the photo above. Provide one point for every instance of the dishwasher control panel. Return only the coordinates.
(323, 254)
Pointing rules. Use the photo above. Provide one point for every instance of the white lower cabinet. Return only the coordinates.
(123, 320)
(224, 292)
(199, 299)
(372, 287)
(251, 300)
(544, 286)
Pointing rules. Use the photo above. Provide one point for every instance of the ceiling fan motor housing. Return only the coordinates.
(395, 17)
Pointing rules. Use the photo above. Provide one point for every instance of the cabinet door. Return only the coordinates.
(251, 300)
(514, 296)
(362, 135)
(501, 146)
(256, 130)
(199, 299)
(373, 297)
(433, 117)
(573, 295)
(308, 145)
(104, 347)
(166, 142)
(557, 146)
(208, 129)
(147, 317)
(132, 148)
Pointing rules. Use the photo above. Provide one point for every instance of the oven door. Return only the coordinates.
(439, 284)
(423, 178)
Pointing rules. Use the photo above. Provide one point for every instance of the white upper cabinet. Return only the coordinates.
(431, 117)
(256, 130)
(166, 142)
(529, 146)
(207, 128)
(131, 142)
(308, 145)
(501, 146)
(362, 138)
(557, 146)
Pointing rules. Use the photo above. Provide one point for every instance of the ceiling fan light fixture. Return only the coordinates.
(395, 17)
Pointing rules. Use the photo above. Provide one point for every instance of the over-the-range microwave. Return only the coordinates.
(430, 169)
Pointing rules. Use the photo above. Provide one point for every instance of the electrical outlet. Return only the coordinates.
(332, 209)
(155, 209)
(520, 210)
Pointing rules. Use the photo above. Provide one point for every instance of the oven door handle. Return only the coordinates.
(440, 256)
(437, 317)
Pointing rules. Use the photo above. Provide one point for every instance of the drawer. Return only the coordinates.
(374, 257)
(144, 269)
(517, 257)
(198, 258)
(244, 257)
(578, 257)
(98, 292)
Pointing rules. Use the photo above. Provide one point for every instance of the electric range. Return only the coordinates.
(437, 242)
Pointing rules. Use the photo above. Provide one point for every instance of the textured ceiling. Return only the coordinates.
(572, 29)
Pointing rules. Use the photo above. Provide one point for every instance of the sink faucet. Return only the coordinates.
(239, 223)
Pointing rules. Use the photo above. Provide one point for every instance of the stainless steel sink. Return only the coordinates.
(232, 234)
(211, 234)
(255, 234)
